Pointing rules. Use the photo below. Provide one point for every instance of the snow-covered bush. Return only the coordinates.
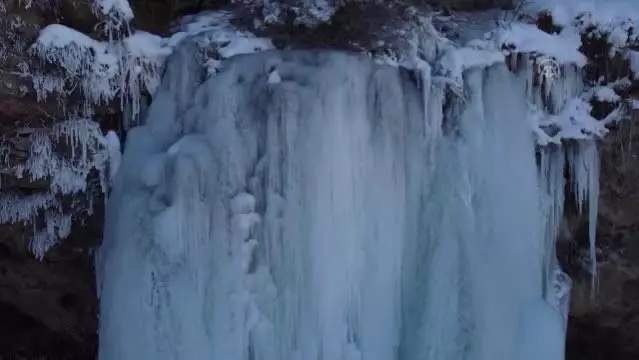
(85, 62)
(100, 71)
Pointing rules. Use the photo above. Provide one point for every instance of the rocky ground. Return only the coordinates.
(49, 307)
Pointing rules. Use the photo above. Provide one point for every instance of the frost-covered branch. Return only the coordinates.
(63, 155)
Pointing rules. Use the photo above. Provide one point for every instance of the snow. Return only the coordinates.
(455, 60)
(611, 19)
(87, 61)
(606, 94)
(103, 70)
(564, 48)
(60, 36)
(602, 11)
(145, 45)
(215, 29)
(573, 122)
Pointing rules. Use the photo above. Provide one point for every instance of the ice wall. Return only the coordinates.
(315, 206)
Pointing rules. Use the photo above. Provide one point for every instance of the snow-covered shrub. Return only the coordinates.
(87, 63)
(100, 72)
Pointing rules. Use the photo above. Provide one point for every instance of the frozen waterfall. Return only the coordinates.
(315, 206)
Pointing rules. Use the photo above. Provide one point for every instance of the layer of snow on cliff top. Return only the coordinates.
(78, 53)
(74, 51)
(148, 46)
(58, 36)
(606, 94)
(603, 11)
(528, 38)
(216, 28)
(573, 122)
(455, 60)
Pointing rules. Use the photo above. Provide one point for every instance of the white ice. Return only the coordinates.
(349, 212)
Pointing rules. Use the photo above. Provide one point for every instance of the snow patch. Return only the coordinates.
(606, 94)
(527, 38)
(573, 122)
(87, 62)
(214, 30)
(609, 19)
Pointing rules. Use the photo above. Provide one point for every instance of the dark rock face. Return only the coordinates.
(607, 327)
(48, 308)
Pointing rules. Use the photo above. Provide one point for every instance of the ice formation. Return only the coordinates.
(126, 68)
(66, 173)
(346, 211)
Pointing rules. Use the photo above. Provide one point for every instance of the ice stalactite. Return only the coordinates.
(567, 137)
(583, 161)
(85, 76)
(302, 219)
(62, 156)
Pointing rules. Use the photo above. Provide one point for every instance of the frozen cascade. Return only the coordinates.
(303, 219)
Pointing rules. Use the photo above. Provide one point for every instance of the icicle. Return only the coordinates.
(16, 209)
(583, 162)
(552, 182)
(57, 227)
(66, 173)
